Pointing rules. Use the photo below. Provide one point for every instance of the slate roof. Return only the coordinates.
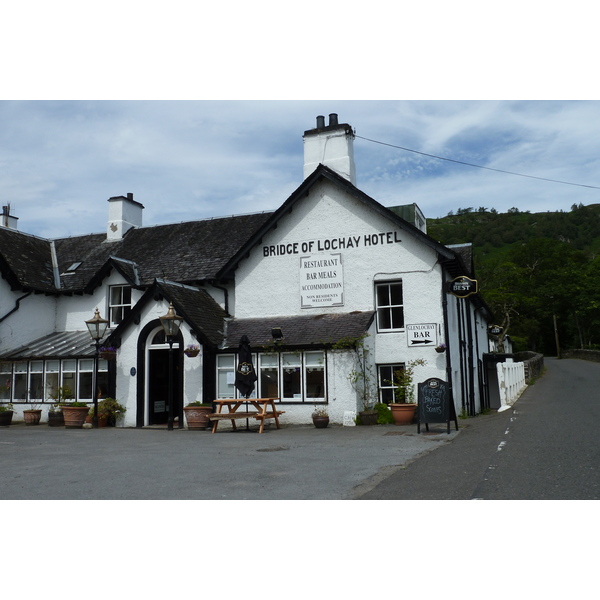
(299, 331)
(199, 310)
(188, 252)
(26, 261)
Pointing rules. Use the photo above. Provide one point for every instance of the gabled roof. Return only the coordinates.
(26, 261)
(203, 315)
(188, 252)
(299, 331)
(325, 173)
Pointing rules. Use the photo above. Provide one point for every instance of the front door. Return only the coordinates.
(159, 378)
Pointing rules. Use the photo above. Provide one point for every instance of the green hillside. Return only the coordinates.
(532, 267)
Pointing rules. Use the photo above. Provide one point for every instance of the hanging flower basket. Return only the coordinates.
(107, 353)
(192, 350)
(441, 348)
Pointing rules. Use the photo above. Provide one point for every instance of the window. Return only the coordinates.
(386, 382)
(226, 376)
(5, 381)
(289, 376)
(389, 306)
(119, 305)
(39, 380)
(269, 375)
(314, 375)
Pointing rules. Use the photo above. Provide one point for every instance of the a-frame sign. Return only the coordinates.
(435, 404)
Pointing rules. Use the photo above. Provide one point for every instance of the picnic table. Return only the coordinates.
(265, 409)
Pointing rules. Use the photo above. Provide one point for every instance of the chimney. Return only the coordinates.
(124, 213)
(331, 145)
(9, 221)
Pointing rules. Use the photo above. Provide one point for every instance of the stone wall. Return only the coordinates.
(534, 364)
(593, 355)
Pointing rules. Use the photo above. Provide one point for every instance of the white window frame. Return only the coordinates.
(388, 384)
(123, 307)
(389, 307)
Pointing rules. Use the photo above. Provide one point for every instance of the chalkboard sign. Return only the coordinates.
(435, 405)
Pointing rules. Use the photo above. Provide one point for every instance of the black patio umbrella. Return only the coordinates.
(245, 375)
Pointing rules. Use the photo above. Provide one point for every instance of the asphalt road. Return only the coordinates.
(545, 447)
(292, 463)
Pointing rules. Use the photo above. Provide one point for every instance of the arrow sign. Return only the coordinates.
(421, 335)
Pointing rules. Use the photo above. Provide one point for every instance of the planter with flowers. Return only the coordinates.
(192, 350)
(6, 414)
(403, 410)
(441, 348)
(320, 417)
(55, 413)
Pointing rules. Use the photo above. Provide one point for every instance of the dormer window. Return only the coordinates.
(119, 303)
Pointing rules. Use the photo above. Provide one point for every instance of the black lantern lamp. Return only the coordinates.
(97, 327)
(171, 324)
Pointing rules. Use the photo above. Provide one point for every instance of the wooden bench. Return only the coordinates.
(266, 410)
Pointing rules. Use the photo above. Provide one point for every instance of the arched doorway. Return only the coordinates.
(158, 377)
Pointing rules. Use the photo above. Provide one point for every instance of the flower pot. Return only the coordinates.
(6, 418)
(32, 416)
(440, 349)
(320, 422)
(403, 413)
(368, 417)
(197, 416)
(55, 418)
(102, 420)
(75, 416)
(191, 354)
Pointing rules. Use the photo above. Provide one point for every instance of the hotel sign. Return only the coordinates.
(321, 280)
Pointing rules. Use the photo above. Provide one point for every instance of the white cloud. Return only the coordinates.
(60, 161)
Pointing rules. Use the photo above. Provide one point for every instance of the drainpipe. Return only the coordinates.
(16, 307)
(447, 340)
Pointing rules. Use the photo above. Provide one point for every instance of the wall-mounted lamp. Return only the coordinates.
(276, 333)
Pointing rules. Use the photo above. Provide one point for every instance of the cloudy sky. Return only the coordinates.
(200, 113)
(184, 160)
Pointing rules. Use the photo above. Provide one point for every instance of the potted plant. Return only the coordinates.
(107, 352)
(403, 410)
(6, 414)
(192, 350)
(110, 409)
(74, 414)
(361, 377)
(55, 414)
(196, 414)
(441, 348)
(320, 417)
(32, 416)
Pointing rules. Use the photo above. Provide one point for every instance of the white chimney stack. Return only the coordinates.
(124, 213)
(331, 145)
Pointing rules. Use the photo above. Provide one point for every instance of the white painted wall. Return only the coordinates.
(127, 358)
(270, 285)
(35, 317)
